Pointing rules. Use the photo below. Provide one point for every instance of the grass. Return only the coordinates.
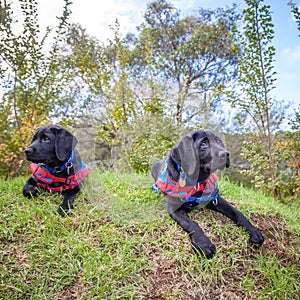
(119, 243)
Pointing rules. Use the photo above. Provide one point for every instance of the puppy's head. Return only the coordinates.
(51, 145)
(200, 153)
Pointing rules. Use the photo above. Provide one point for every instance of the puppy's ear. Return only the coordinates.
(187, 156)
(65, 143)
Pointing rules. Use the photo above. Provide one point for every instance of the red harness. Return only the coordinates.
(46, 180)
(208, 187)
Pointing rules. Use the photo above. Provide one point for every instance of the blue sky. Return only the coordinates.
(97, 15)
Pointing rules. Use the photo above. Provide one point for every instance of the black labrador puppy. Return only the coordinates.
(186, 177)
(56, 165)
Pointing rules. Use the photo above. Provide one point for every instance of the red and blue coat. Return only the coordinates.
(47, 180)
(208, 187)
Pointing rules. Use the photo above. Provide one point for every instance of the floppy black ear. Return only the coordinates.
(186, 154)
(65, 143)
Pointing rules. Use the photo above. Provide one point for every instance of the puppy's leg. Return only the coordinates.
(69, 198)
(30, 188)
(154, 169)
(199, 240)
(237, 217)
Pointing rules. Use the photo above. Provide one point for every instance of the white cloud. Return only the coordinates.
(291, 55)
(289, 76)
(97, 16)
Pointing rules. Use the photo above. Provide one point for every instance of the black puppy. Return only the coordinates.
(186, 177)
(56, 165)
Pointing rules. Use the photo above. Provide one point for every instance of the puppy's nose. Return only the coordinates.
(224, 154)
(28, 151)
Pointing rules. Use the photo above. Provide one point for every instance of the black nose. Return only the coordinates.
(224, 154)
(28, 151)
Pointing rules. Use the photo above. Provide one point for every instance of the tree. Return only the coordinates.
(32, 81)
(199, 52)
(131, 81)
(289, 149)
(296, 13)
(257, 77)
(103, 70)
(123, 110)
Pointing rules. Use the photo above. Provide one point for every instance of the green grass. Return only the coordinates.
(119, 243)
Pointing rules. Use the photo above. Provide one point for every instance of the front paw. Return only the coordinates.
(62, 212)
(202, 244)
(64, 209)
(30, 191)
(256, 237)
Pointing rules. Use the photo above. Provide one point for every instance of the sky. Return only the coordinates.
(97, 16)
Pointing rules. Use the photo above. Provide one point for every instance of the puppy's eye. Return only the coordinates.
(203, 144)
(45, 139)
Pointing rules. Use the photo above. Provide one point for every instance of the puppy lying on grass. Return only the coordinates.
(186, 177)
(56, 165)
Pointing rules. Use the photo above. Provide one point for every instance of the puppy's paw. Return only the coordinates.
(62, 212)
(202, 244)
(256, 237)
(30, 191)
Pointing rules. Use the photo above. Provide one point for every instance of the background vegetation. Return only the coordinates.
(134, 96)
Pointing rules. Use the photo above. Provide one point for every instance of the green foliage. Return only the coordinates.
(131, 80)
(32, 81)
(152, 141)
(285, 148)
(289, 152)
(105, 75)
(198, 52)
(261, 114)
(256, 65)
(86, 59)
(139, 92)
(296, 13)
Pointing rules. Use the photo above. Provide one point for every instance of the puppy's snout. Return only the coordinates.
(29, 151)
(224, 155)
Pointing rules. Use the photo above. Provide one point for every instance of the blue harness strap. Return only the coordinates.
(68, 164)
(166, 185)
